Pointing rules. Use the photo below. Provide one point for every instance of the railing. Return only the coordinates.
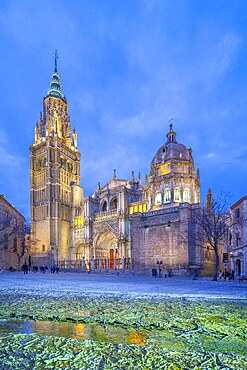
(102, 215)
(96, 264)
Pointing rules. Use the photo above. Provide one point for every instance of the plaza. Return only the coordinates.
(120, 285)
(120, 321)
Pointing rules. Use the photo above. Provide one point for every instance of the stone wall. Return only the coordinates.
(164, 235)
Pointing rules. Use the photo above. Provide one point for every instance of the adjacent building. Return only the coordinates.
(12, 236)
(238, 237)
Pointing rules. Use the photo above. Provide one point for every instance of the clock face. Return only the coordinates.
(165, 169)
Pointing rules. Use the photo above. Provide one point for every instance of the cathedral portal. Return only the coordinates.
(106, 246)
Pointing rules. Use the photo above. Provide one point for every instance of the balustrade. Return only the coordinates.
(103, 264)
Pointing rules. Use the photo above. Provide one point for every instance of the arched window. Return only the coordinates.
(114, 204)
(63, 162)
(70, 167)
(167, 195)
(177, 197)
(196, 199)
(158, 198)
(6, 241)
(39, 164)
(104, 206)
(186, 196)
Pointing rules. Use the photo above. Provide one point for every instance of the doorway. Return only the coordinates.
(238, 267)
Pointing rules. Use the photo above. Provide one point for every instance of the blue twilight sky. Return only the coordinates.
(127, 67)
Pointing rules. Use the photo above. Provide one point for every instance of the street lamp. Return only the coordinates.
(159, 263)
(52, 259)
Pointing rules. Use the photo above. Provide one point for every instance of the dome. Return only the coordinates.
(171, 151)
(173, 178)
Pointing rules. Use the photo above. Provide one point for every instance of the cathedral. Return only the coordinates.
(124, 224)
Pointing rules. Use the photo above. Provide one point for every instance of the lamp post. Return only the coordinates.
(225, 262)
(159, 263)
(52, 259)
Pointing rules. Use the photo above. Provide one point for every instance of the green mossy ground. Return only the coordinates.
(178, 334)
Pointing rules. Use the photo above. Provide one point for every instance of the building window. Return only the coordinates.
(196, 199)
(230, 239)
(104, 206)
(39, 164)
(177, 197)
(6, 241)
(44, 161)
(114, 204)
(15, 245)
(70, 167)
(63, 162)
(237, 213)
(43, 248)
(158, 198)
(186, 195)
(207, 253)
(156, 172)
(167, 195)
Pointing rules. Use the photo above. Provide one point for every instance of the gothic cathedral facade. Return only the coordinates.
(124, 223)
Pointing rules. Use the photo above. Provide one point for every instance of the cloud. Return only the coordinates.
(85, 103)
(218, 59)
(30, 22)
(9, 160)
(3, 137)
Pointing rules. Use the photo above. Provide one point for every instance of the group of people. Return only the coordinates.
(229, 275)
(42, 269)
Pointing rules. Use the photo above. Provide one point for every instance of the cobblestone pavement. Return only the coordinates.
(122, 284)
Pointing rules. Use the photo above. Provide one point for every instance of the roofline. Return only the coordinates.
(238, 202)
(10, 205)
(116, 179)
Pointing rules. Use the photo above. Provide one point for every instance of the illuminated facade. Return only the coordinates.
(161, 226)
(123, 224)
(107, 226)
(56, 195)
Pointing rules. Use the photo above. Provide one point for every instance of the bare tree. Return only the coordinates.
(213, 221)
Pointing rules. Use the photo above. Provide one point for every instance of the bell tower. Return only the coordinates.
(54, 176)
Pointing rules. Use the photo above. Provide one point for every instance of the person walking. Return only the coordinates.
(25, 268)
(230, 275)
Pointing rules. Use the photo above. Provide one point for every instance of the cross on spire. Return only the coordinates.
(171, 125)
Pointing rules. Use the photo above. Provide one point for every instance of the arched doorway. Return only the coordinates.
(79, 253)
(238, 267)
(106, 246)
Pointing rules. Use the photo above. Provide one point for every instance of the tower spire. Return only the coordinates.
(55, 59)
(55, 85)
